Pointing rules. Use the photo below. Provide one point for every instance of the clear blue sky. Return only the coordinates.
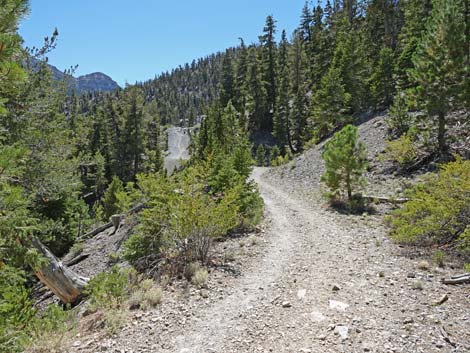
(135, 40)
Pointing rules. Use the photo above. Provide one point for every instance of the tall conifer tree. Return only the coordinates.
(440, 64)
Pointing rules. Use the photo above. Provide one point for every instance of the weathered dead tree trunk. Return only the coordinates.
(460, 279)
(62, 281)
(383, 199)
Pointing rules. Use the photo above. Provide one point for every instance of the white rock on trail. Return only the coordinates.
(317, 316)
(342, 331)
(301, 293)
(337, 305)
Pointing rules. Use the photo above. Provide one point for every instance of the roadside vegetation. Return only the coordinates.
(69, 162)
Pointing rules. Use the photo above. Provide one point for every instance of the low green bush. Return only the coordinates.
(20, 324)
(108, 290)
(438, 211)
(400, 120)
(16, 310)
(110, 201)
(275, 152)
(403, 150)
(439, 258)
(280, 160)
(186, 212)
(261, 155)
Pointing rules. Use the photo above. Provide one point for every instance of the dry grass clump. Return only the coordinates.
(50, 343)
(146, 297)
(190, 270)
(153, 297)
(115, 320)
(417, 285)
(200, 278)
(424, 265)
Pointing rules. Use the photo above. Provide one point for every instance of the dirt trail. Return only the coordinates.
(319, 288)
(225, 321)
(324, 282)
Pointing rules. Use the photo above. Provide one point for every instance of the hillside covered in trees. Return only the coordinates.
(74, 165)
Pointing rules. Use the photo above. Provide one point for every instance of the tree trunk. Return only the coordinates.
(62, 281)
(441, 138)
(348, 187)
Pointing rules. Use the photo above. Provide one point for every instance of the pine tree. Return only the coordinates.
(11, 73)
(319, 53)
(260, 155)
(220, 132)
(268, 49)
(133, 136)
(350, 8)
(281, 128)
(256, 105)
(240, 81)
(381, 26)
(299, 89)
(331, 104)
(440, 69)
(115, 149)
(110, 200)
(305, 27)
(227, 89)
(416, 14)
(381, 80)
(345, 161)
(350, 61)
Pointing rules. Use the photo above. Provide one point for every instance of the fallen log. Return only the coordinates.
(108, 225)
(44, 297)
(459, 279)
(383, 199)
(95, 231)
(76, 259)
(57, 277)
(62, 281)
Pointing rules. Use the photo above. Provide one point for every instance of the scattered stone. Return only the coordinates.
(301, 293)
(317, 316)
(342, 331)
(443, 299)
(337, 305)
(408, 320)
(286, 304)
(335, 288)
(356, 320)
(411, 275)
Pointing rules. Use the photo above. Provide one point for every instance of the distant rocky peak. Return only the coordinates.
(96, 81)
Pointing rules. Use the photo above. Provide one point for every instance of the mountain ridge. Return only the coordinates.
(95, 81)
